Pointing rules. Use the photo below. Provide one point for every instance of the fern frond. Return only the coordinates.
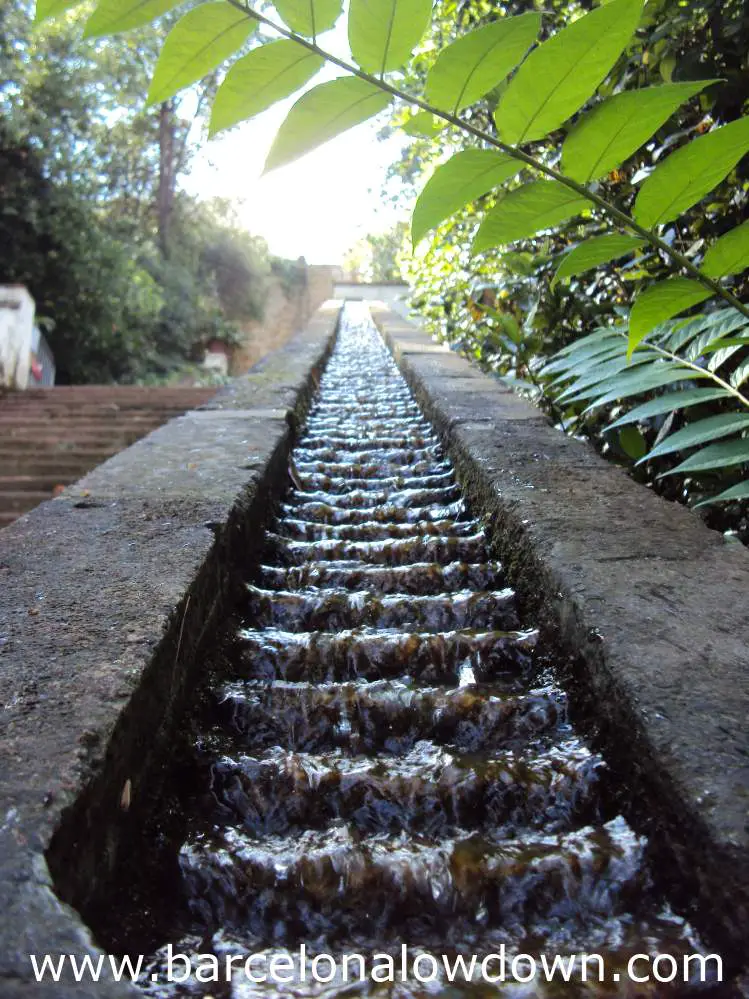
(704, 350)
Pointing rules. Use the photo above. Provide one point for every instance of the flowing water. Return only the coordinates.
(389, 764)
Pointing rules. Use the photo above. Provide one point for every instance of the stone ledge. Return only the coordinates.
(106, 596)
(648, 607)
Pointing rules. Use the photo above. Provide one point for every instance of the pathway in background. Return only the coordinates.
(51, 437)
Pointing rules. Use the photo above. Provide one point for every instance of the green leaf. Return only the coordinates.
(645, 379)
(668, 403)
(690, 173)
(660, 302)
(523, 212)
(309, 17)
(424, 125)
(700, 432)
(737, 492)
(593, 252)
(474, 64)
(581, 363)
(598, 381)
(454, 184)
(611, 132)
(569, 364)
(51, 8)
(383, 33)
(597, 378)
(592, 340)
(197, 44)
(561, 74)
(701, 331)
(632, 442)
(740, 375)
(255, 82)
(722, 455)
(322, 113)
(112, 16)
(729, 255)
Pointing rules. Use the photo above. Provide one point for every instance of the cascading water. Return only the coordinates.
(388, 764)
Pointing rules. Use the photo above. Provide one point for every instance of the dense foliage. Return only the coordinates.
(602, 143)
(130, 276)
(506, 309)
(377, 256)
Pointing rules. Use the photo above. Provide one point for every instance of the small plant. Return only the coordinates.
(692, 363)
(546, 91)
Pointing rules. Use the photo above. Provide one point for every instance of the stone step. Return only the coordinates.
(374, 530)
(64, 466)
(29, 483)
(371, 469)
(57, 442)
(334, 883)
(408, 457)
(338, 443)
(322, 513)
(22, 500)
(376, 494)
(384, 552)
(113, 394)
(453, 657)
(335, 485)
(386, 715)
(421, 578)
(338, 609)
(429, 789)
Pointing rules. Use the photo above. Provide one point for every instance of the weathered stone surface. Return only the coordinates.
(649, 608)
(106, 594)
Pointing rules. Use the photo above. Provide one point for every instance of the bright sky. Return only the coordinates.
(316, 207)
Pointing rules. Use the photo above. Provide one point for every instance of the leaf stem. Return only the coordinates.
(621, 218)
(742, 399)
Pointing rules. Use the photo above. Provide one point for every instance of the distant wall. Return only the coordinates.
(16, 331)
(393, 293)
(287, 310)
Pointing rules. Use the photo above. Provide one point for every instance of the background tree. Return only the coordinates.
(129, 274)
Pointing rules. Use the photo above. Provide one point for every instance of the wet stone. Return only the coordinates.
(375, 653)
(388, 715)
(339, 609)
(384, 761)
(419, 578)
(443, 549)
(371, 495)
(374, 530)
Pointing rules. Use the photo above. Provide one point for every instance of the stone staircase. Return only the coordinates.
(51, 437)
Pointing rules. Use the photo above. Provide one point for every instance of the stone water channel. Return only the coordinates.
(387, 760)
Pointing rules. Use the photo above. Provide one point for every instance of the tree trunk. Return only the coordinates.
(167, 173)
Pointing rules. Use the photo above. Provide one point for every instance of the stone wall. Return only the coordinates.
(107, 595)
(287, 310)
(643, 608)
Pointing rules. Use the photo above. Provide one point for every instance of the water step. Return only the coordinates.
(388, 513)
(339, 609)
(377, 494)
(374, 530)
(431, 657)
(421, 578)
(370, 469)
(429, 790)
(368, 457)
(449, 548)
(369, 429)
(386, 759)
(316, 883)
(338, 443)
(387, 716)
